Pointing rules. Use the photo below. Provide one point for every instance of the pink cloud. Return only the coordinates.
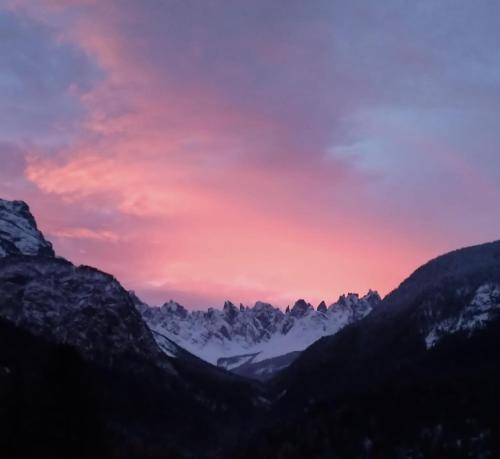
(86, 233)
(204, 165)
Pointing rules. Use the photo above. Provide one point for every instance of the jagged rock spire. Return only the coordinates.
(322, 307)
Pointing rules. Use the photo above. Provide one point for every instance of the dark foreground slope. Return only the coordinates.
(419, 377)
(55, 404)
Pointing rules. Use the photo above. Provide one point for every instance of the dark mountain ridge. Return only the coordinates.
(438, 290)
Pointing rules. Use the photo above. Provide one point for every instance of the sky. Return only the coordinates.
(204, 150)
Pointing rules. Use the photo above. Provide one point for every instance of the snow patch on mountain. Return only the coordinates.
(231, 363)
(166, 345)
(262, 370)
(484, 307)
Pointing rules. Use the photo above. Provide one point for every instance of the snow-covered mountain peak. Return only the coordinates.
(19, 234)
(261, 306)
(174, 308)
(301, 308)
(347, 300)
(230, 312)
(322, 307)
(372, 297)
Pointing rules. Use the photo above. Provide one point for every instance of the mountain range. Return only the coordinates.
(88, 370)
(254, 341)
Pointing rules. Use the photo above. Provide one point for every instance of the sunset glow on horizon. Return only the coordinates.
(252, 150)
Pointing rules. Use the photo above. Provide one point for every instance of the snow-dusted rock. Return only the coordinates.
(484, 307)
(19, 234)
(234, 336)
(80, 306)
(301, 308)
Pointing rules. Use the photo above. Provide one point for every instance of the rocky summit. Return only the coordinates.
(19, 234)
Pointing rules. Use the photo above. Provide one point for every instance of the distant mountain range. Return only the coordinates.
(254, 341)
(87, 370)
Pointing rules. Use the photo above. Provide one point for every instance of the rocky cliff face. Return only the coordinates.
(80, 306)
